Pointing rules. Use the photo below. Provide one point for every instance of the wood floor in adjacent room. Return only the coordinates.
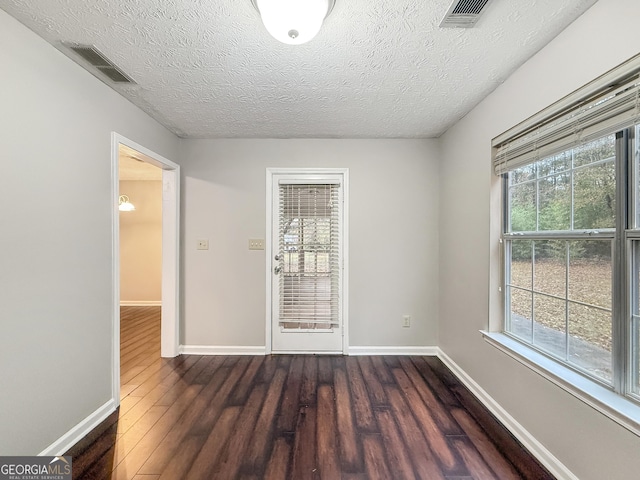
(292, 417)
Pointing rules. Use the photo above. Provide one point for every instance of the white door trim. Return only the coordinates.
(169, 332)
(270, 173)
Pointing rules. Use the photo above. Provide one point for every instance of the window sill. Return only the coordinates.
(607, 402)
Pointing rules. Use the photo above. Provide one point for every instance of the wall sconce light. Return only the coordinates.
(293, 21)
(124, 205)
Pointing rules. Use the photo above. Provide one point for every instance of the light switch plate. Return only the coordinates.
(203, 244)
(256, 244)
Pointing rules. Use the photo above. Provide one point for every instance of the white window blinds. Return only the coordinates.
(309, 255)
(606, 105)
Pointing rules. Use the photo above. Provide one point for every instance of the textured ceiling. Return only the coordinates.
(378, 68)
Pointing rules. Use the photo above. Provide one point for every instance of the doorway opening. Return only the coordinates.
(145, 260)
(140, 207)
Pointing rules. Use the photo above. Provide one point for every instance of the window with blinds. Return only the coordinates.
(309, 256)
(571, 230)
(607, 105)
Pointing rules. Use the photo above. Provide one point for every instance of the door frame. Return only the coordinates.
(170, 316)
(270, 173)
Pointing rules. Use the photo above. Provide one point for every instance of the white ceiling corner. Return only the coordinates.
(378, 68)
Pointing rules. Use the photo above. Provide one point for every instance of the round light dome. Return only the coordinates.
(293, 21)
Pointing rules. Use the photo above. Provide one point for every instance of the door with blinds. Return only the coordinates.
(307, 261)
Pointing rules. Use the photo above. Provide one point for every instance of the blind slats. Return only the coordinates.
(309, 241)
(599, 109)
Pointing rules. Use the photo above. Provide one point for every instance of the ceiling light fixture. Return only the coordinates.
(293, 21)
(124, 205)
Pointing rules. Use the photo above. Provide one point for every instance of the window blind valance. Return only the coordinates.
(606, 105)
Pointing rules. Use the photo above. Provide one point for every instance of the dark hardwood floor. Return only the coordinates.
(292, 417)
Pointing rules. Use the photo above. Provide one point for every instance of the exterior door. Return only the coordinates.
(307, 263)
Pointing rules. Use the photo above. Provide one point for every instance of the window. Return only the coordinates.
(571, 230)
(560, 230)
(633, 246)
(309, 255)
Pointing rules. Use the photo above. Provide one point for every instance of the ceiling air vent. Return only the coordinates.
(464, 13)
(96, 59)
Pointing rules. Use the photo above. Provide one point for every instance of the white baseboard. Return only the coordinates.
(544, 456)
(77, 433)
(222, 350)
(141, 303)
(372, 350)
(261, 350)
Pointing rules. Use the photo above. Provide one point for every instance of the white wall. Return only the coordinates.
(589, 444)
(141, 243)
(55, 238)
(393, 236)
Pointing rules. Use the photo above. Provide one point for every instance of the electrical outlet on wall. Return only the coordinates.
(203, 244)
(406, 321)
